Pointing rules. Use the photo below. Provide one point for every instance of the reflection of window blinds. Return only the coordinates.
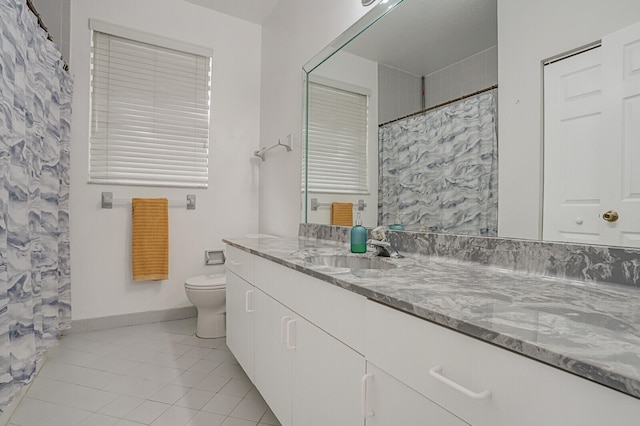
(337, 151)
(149, 114)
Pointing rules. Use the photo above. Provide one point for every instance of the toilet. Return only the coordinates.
(208, 295)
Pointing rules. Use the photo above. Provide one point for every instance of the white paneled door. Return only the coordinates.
(592, 142)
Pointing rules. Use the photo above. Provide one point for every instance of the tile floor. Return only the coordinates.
(155, 374)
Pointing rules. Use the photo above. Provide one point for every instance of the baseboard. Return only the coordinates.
(138, 318)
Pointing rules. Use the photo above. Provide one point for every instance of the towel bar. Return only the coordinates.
(314, 204)
(108, 200)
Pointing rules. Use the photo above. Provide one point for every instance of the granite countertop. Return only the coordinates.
(586, 328)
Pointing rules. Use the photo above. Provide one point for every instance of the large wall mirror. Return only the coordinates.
(413, 85)
(367, 142)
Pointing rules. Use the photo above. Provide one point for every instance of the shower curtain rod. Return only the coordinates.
(33, 10)
(495, 86)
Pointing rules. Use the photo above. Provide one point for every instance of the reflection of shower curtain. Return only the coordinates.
(35, 103)
(439, 170)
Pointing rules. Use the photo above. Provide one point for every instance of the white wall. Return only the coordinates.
(476, 72)
(295, 32)
(400, 93)
(101, 239)
(356, 73)
(529, 32)
(56, 16)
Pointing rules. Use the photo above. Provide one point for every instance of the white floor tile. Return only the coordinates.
(170, 348)
(147, 412)
(71, 356)
(188, 379)
(231, 421)
(202, 343)
(249, 409)
(125, 422)
(121, 406)
(195, 399)
(175, 416)
(237, 387)
(85, 345)
(33, 412)
(184, 362)
(154, 374)
(222, 404)
(229, 370)
(169, 394)
(68, 394)
(202, 418)
(97, 419)
(203, 366)
(30, 412)
(220, 356)
(133, 386)
(212, 383)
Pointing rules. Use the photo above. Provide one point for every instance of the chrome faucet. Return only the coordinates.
(385, 249)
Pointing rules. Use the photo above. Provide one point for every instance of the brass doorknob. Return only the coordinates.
(610, 216)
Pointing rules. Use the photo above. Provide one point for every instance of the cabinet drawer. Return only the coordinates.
(240, 262)
(390, 402)
(522, 391)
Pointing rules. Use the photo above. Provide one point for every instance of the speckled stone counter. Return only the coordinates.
(586, 328)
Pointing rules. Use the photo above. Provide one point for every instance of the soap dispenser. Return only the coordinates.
(397, 226)
(358, 237)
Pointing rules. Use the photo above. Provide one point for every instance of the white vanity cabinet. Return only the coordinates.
(240, 302)
(273, 359)
(483, 384)
(307, 341)
(322, 355)
(306, 376)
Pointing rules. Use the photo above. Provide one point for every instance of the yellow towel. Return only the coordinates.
(150, 239)
(342, 214)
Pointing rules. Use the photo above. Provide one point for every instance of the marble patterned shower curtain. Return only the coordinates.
(439, 170)
(35, 286)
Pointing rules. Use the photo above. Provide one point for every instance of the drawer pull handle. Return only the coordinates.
(283, 327)
(248, 307)
(435, 372)
(363, 401)
(291, 334)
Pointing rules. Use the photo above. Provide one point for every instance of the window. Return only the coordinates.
(337, 140)
(150, 100)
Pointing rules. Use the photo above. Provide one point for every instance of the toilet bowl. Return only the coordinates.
(208, 295)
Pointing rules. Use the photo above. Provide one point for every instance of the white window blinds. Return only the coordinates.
(337, 140)
(149, 113)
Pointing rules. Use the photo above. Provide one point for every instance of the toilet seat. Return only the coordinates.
(206, 282)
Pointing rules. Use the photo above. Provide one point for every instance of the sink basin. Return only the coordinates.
(351, 262)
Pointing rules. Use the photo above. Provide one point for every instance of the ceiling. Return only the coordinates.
(423, 36)
(256, 11)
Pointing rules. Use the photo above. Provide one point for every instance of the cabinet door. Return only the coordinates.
(273, 361)
(240, 326)
(391, 402)
(326, 381)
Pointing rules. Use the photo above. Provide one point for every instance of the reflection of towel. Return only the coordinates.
(150, 239)
(342, 214)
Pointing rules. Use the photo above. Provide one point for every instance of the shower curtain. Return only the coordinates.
(438, 171)
(35, 286)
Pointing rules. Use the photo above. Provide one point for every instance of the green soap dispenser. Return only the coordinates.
(397, 226)
(358, 237)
